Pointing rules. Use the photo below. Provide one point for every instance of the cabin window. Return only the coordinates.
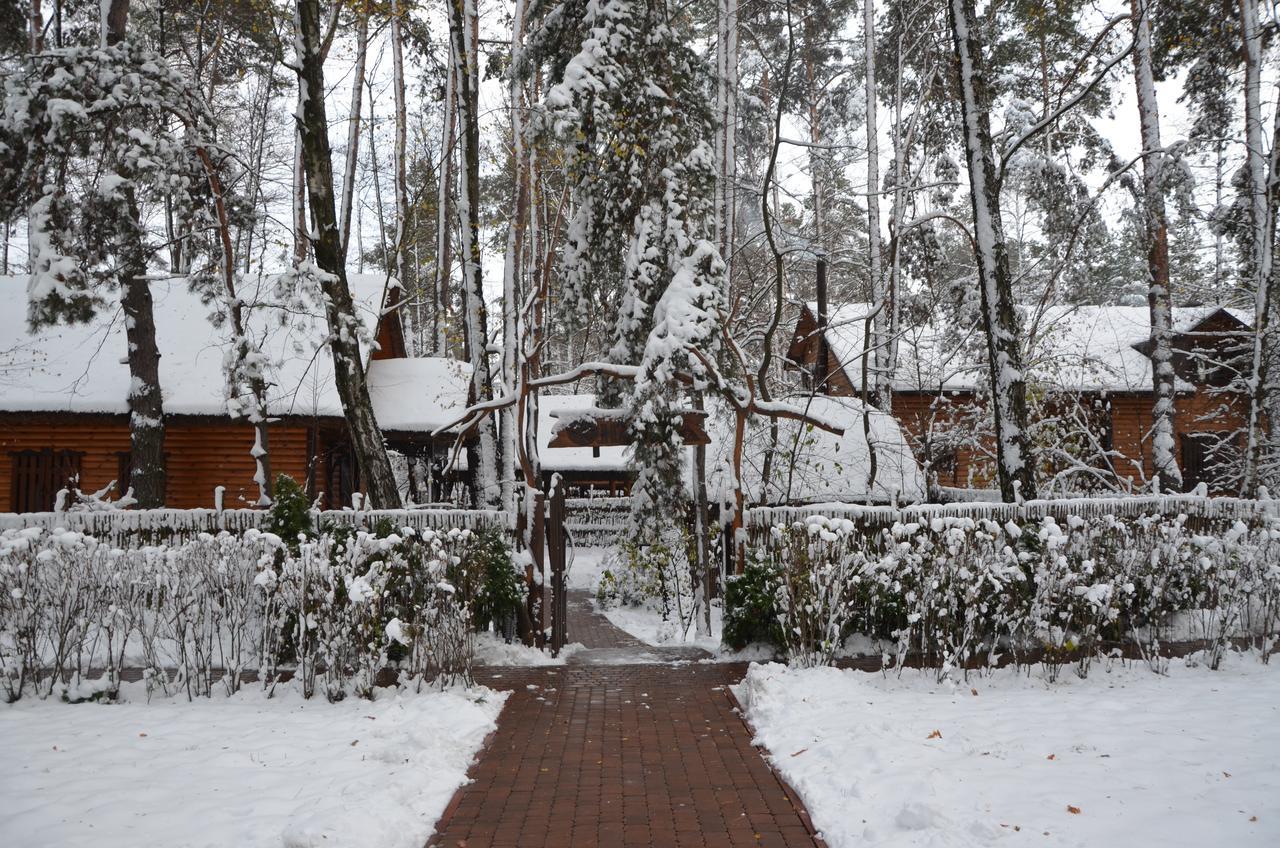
(36, 476)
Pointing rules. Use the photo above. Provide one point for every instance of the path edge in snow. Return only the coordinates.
(452, 807)
(797, 801)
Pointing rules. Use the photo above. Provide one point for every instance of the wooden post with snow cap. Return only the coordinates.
(534, 570)
(556, 554)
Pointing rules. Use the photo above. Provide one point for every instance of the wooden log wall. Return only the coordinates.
(203, 453)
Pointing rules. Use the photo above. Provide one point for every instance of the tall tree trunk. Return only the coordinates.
(244, 349)
(1156, 232)
(874, 271)
(348, 365)
(769, 211)
(353, 126)
(1015, 466)
(900, 144)
(388, 266)
(35, 24)
(1261, 232)
(726, 116)
(462, 21)
(147, 470)
(513, 266)
(444, 218)
(400, 263)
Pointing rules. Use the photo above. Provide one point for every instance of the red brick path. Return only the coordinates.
(601, 753)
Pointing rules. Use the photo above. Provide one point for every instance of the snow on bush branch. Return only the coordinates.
(336, 608)
(958, 591)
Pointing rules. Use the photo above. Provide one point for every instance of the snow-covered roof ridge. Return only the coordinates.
(1077, 347)
(80, 368)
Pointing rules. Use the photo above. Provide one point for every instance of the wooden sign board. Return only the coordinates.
(611, 431)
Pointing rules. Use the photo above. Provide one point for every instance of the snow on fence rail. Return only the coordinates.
(152, 525)
(1196, 506)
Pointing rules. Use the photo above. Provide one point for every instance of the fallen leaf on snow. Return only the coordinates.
(1075, 811)
(1052, 757)
(798, 753)
(974, 691)
(937, 734)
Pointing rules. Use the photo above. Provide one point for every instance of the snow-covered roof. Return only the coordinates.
(418, 394)
(80, 367)
(810, 465)
(1082, 348)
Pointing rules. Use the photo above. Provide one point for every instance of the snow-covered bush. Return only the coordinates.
(341, 610)
(751, 605)
(658, 572)
(814, 591)
(963, 592)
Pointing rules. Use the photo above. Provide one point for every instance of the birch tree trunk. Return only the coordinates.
(348, 365)
(1261, 232)
(462, 20)
(147, 467)
(1015, 466)
(1156, 232)
(299, 197)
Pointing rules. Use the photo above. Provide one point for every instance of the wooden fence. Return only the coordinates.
(1195, 507)
(596, 522)
(147, 526)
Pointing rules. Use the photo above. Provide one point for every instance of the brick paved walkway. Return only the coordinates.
(627, 745)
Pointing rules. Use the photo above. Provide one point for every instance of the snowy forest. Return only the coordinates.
(633, 198)
(638, 422)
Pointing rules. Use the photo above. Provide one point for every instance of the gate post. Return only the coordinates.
(535, 571)
(556, 554)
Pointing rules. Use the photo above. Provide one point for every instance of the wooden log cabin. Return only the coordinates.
(63, 400)
(1089, 389)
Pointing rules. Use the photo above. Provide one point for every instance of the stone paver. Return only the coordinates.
(621, 747)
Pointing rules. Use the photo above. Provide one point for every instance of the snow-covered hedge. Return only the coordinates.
(336, 609)
(959, 591)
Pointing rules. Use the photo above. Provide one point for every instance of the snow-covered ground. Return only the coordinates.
(492, 650)
(1122, 758)
(243, 771)
(645, 623)
(585, 567)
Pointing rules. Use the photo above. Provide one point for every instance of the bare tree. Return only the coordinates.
(1260, 273)
(348, 365)
(462, 31)
(353, 125)
(995, 285)
(147, 469)
(1156, 231)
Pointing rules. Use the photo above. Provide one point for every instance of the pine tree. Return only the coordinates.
(631, 104)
